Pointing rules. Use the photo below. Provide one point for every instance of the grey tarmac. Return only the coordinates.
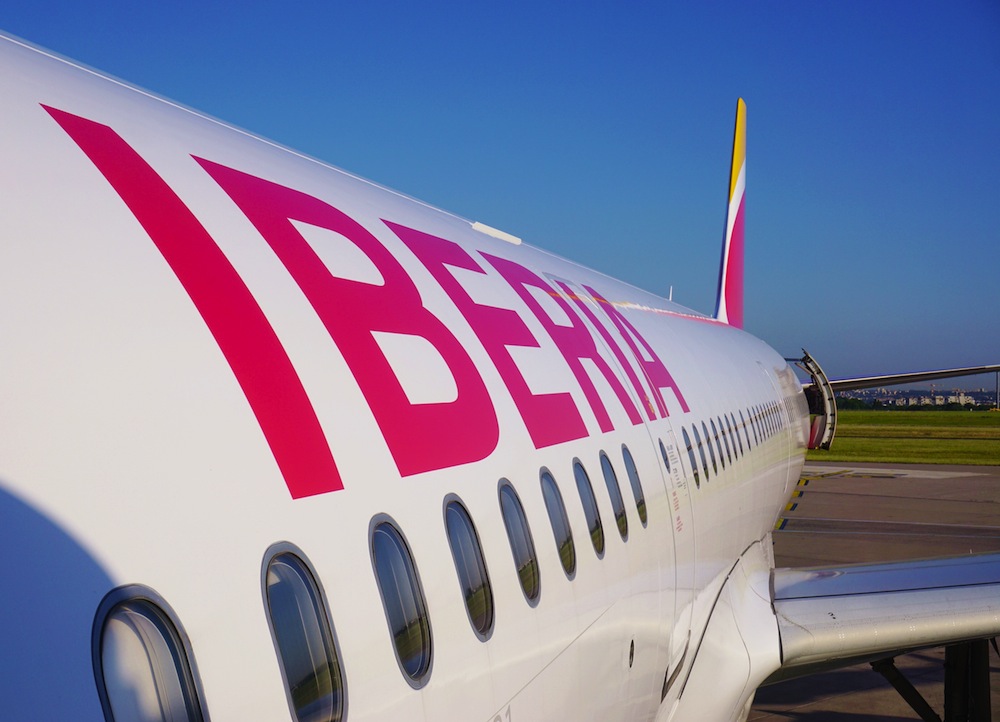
(845, 513)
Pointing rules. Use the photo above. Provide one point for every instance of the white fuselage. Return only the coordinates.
(135, 448)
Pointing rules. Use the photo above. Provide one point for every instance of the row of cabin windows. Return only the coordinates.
(725, 441)
(143, 659)
(519, 535)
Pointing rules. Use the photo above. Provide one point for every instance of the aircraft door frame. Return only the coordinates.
(682, 531)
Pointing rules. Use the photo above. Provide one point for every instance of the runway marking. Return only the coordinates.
(858, 475)
(840, 532)
(899, 523)
(814, 472)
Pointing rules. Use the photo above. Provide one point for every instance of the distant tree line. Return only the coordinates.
(850, 403)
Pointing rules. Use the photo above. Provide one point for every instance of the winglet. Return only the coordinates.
(729, 303)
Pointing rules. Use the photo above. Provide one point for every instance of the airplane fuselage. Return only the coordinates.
(216, 350)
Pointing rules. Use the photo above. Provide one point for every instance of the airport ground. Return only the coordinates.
(846, 513)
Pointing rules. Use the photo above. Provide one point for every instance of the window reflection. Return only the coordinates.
(725, 441)
(701, 451)
(405, 608)
(144, 668)
(711, 451)
(663, 455)
(304, 641)
(470, 566)
(521, 545)
(560, 523)
(615, 493)
(718, 445)
(633, 480)
(734, 431)
(746, 429)
(589, 507)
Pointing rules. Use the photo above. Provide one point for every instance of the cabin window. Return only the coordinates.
(734, 432)
(521, 546)
(691, 459)
(711, 451)
(560, 523)
(615, 493)
(590, 510)
(663, 455)
(633, 480)
(402, 599)
(143, 664)
(718, 445)
(303, 637)
(746, 429)
(470, 566)
(701, 451)
(725, 441)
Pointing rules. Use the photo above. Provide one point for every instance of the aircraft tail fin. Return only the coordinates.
(729, 302)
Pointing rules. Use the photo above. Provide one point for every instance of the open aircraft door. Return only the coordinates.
(822, 403)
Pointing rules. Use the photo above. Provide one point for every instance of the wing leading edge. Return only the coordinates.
(831, 617)
(871, 382)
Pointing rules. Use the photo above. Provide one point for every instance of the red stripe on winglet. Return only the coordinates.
(245, 336)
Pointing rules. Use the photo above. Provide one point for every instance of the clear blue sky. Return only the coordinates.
(601, 131)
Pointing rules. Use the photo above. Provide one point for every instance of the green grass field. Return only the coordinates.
(915, 437)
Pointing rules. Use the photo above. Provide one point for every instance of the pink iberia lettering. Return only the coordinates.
(246, 338)
(575, 342)
(352, 310)
(421, 437)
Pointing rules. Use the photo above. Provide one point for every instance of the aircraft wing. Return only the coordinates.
(832, 617)
(869, 382)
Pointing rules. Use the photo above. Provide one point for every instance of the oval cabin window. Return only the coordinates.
(560, 523)
(144, 669)
(615, 493)
(303, 639)
(403, 600)
(589, 507)
(521, 546)
(470, 567)
(633, 480)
